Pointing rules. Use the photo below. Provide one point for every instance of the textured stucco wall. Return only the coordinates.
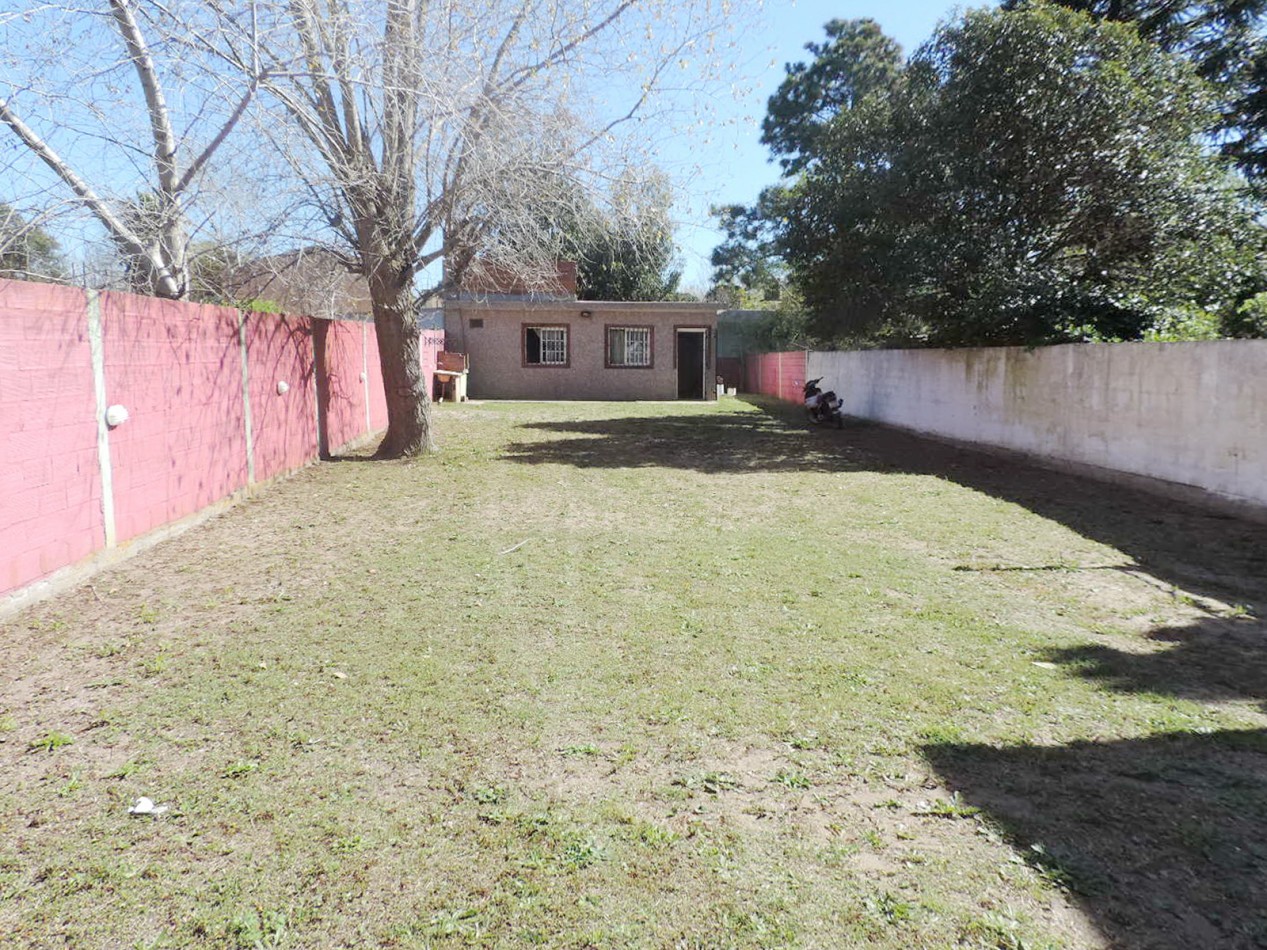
(283, 425)
(496, 349)
(71, 488)
(1188, 413)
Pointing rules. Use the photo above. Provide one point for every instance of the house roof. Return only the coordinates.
(593, 306)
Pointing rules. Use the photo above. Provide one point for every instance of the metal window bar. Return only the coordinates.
(629, 346)
(554, 345)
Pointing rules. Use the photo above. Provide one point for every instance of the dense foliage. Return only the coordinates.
(624, 250)
(1226, 41)
(857, 61)
(1030, 176)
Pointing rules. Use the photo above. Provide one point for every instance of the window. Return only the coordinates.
(546, 346)
(629, 346)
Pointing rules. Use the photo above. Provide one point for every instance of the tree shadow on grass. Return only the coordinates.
(1163, 840)
(1203, 551)
(709, 442)
(1213, 661)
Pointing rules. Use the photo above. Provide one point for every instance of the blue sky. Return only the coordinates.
(718, 161)
(730, 165)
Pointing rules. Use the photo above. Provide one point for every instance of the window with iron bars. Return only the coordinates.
(546, 346)
(628, 346)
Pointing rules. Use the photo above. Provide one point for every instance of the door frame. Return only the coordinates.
(705, 337)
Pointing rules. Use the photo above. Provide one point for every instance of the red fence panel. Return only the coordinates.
(374, 370)
(430, 346)
(781, 375)
(344, 396)
(179, 370)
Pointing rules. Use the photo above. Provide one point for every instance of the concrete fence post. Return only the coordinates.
(246, 401)
(96, 350)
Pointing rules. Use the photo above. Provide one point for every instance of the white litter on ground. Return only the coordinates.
(146, 806)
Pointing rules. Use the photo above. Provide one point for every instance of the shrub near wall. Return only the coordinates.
(217, 401)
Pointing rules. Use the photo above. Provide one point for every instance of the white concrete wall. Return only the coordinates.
(1189, 413)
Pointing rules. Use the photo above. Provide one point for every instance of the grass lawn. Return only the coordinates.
(651, 675)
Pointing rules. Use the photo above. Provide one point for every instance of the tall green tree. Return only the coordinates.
(856, 60)
(625, 250)
(746, 265)
(1226, 40)
(1034, 176)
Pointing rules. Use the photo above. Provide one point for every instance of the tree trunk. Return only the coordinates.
(408, 398)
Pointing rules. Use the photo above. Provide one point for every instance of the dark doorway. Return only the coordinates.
(690, 364)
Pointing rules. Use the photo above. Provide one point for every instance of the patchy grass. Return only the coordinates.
(650, 675)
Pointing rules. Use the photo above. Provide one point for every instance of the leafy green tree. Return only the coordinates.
(856, 60)
(1225, 40)
(626, 250)
(27, 251)
(1033, 176)
(747, 271)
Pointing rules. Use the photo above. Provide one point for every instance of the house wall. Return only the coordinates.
(205, 417)
(495, 350)
(1190, 414)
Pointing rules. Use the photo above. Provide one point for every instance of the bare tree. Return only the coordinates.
(86, 90)
(433, 135)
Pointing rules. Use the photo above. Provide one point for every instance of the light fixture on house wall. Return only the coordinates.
(587, 313)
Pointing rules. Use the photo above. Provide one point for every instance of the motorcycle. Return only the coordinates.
(822, 406)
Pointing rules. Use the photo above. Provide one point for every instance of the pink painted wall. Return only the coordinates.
(781, 375)
(345, 398)
(431, 343)
(374, 367)
(283, 425)
(178, 370)
(184, 444)
(50, 482)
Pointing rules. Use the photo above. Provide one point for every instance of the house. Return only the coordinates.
(550, 345)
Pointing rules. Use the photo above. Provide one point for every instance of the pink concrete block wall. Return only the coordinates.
(283, 425)
(345, 405)
(50, 482)
(430, 345)
(373, 366)
(177, 368)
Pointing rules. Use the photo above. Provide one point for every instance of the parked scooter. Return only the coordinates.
(822, 406)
